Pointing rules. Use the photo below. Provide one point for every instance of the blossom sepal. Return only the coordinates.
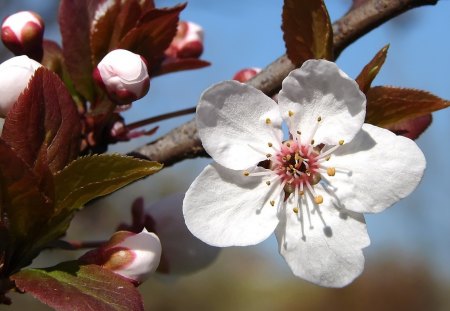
(188, 42)
(134, 256)
(123, 75)
(22, 33)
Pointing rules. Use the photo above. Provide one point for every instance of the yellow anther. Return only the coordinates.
(268, 183)
(298, 157)
(328, 158)
(291, 113)
(288, 145)
(288, 157)
(246, 173)
(295, 209)
(268, 155)
(341, 142)
(318, 199)
(312, 141)
(315, 179)
(301, 192)
(272, 203)
(269, 144)
(268, 121)
(299, 133)
(284, 159)
(319, 119)
(331, 171)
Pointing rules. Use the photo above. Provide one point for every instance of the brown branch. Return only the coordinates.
(183, 142)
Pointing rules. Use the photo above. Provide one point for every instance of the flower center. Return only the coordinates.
(297, 166)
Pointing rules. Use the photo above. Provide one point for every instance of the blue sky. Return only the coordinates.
(242, 34)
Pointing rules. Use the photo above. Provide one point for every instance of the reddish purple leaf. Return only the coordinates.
(181, 64)
(44, 114)
(412, 128)
(371, 70)
(307, 30)
(70, 286)
(75, 18)
(388, 106)
(129, 14)
(153, 34)
(24, 206)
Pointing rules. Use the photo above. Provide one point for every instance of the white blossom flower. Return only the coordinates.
(124, 76)
(309, 189)
(15, 73)
(133, 255)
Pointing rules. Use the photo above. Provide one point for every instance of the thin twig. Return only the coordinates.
(161, 117)
(183, 142)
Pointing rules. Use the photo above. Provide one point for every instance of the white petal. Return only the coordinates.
(383, 168)
(231, 121)
(328, 253)
(224, 208)
(320, 89)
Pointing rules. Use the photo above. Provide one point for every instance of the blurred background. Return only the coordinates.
(407, 264)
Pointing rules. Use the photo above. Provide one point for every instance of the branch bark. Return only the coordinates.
(183, 142)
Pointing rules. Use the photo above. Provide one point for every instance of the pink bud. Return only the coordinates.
(14, 76)
(188, 42)
(22, 33)
(123, 75)
(132, 255)
(246, 74)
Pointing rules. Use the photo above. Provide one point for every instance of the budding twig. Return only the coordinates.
(161, 117)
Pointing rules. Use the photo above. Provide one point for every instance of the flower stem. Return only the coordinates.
(161, 117)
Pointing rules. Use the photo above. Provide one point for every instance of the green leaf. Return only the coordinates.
(370, 71)
(307, 30)
(91, 177)
(71, 286)
(387, 106)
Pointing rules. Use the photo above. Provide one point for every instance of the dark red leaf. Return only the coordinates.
(387, 106)
(71, 286)
(23, 207)
(412, 128)
(181, 64)
(371, 70)
(153, 34)
(129, 14)
(44, 114)
(307, 30)
(75, 18)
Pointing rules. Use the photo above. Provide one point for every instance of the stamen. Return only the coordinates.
(291, 113)
(272, 203)
(341, 142)
(246, 173)
(312, 141)
(328, 152)
(313, 132)
(268, 183)
(295, 210)
(265, 173)
(270, 144)
(268, 121)
(268, 155)
(318, 199)
(319, 119)
(331, 171)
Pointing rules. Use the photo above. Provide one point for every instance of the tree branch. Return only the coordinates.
(183, 142)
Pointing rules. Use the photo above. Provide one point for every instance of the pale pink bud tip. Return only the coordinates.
(246, 74)
(15, 74)
(132, 255)
(123, 75)
(188, 42)
(23, 33)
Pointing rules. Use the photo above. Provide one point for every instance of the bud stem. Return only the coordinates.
(161, 117)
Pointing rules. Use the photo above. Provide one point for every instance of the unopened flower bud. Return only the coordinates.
(22, 33)
(246, 74)
(188, 42)
(14, 76)
(132, 255)
(123, 75)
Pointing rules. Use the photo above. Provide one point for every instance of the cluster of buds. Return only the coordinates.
(187, 43)
(23, 33)
(15, 73)
(132, 255)
(123, 75)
